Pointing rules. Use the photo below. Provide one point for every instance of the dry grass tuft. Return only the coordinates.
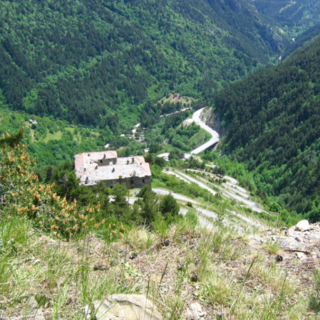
(215, 267)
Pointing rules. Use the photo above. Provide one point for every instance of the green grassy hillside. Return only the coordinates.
(55, 141)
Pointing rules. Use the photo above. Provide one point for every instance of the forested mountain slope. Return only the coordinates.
(273, 125)
(293, 17)
(302, 39)
(97, 62)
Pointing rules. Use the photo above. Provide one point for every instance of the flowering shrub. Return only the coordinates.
(23, 195)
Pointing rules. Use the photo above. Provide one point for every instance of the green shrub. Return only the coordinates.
(169, 207)
(37, 203)
(192, 218)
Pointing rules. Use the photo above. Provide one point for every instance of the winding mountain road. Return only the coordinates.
(215, 137)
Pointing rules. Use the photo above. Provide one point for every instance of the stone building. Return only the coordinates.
(92, 167)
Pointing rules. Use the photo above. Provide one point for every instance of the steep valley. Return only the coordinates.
(221, 98)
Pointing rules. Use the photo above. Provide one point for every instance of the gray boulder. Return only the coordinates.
(124, 307)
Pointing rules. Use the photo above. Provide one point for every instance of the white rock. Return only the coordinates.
(302, 225)
(195, 311)
(124, 307)
(254, 239)
(301, 255)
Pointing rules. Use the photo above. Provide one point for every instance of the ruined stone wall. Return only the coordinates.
(134, 182)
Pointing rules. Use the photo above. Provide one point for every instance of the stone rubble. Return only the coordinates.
(301, 241)
(302, 235)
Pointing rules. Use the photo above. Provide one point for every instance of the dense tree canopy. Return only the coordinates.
(273, 124)
(97, 62)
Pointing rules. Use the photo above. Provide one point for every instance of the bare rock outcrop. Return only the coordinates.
(211, 120)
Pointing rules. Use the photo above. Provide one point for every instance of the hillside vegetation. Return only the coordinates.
(56, 141)
(195, 241)
(64, 246)
(272, 120)
(98, 62)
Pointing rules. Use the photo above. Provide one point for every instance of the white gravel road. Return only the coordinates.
(177, 196)
(200, 184)
(215, 135)
(205, 212)
(225, 191)
(177, 176)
